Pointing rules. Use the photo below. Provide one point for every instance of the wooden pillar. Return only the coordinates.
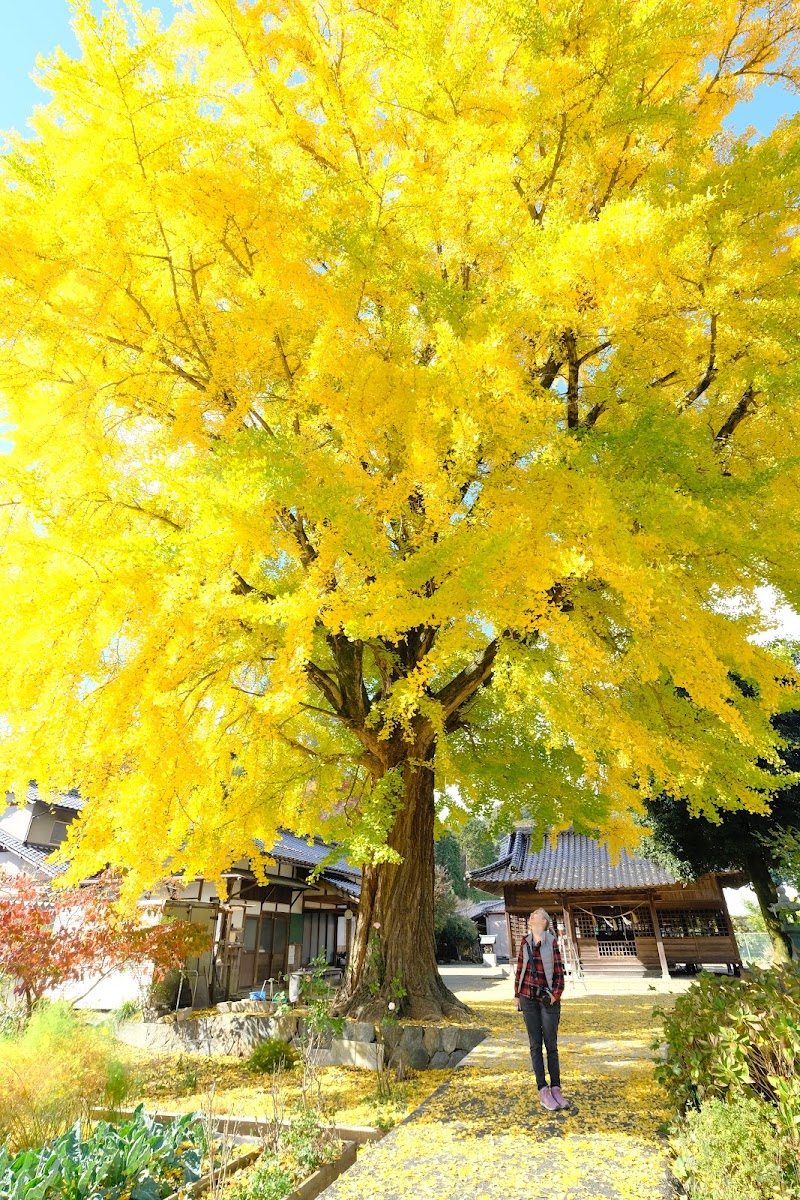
(512, 958)
(569, 934)
(662, 957)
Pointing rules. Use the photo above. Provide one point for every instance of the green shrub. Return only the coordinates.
(308, 1143)
(54, 1073)
(733, 1151)
(129, 1010)
(140, 1158)
(457, 938)
(305, 1145)
(728, 1038)
(271, 1055)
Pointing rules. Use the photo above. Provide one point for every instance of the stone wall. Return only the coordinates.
(361, 1045)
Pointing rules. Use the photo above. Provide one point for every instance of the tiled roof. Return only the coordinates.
(71, 800)
(293, 849)
(28, 856)
(485, 908)
(350, 887)
(578, 863)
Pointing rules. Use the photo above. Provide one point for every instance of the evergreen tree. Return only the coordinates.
(749, 841)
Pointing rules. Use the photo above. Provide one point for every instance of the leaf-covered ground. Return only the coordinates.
(483, 1135)
(184, 1083)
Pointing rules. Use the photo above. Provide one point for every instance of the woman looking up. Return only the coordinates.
(538, 986)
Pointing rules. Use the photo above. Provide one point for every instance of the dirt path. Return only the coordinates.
(484, 1136)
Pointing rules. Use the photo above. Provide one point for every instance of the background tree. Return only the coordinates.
(753, 842)
(455, 934)
(404, 397)
(449, 856)
(470, 847)
(479, 845)
(50, 939)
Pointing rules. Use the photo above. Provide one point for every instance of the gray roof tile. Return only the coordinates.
(290, 848)
(29, 857)
(578, 863)
(350, 887)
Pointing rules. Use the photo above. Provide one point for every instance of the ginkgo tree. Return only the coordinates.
(404, 399)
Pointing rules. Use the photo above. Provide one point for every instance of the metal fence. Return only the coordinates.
(754, 947)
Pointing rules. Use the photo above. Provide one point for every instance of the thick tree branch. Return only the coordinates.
(547, 374)
(594, 412)
(327, 686)
(349, 658)
(744, 408)
(591, 353)
(293, 523)
(243, 588)
(466, 683)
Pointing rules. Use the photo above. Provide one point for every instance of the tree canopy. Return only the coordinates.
(757, 843)
(398, 388)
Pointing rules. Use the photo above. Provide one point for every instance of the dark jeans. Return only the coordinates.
(541, 1021)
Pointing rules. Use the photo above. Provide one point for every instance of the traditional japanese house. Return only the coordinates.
(630, 917)
(300, 905)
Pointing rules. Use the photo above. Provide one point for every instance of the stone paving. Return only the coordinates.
(484, 1136)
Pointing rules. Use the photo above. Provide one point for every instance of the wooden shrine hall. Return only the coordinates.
(631, 917)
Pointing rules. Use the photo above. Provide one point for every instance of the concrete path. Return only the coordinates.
(484, 1136)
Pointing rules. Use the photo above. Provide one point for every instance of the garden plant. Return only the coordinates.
(729, 1053)
(53, 1072)
(137, 1159)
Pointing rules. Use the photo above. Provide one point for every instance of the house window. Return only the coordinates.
(584, 924)
(692, 922)
(614, 949)
(319, 935)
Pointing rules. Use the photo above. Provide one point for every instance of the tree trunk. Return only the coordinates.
(757, 866)
(393, 957)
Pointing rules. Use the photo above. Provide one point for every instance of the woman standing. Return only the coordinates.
(538, 985)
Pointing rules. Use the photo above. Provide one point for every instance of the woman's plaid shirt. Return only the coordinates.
(533, 978)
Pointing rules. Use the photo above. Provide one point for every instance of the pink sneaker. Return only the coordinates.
(547, 1099)
(559, 1097)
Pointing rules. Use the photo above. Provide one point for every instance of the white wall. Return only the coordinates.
(16, 821)
(109, 992)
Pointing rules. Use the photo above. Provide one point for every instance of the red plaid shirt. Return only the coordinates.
(527, 982)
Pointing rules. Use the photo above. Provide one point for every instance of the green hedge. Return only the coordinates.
(729, 1037)
(728, 1063)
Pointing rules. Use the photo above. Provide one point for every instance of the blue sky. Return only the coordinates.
(30, 27)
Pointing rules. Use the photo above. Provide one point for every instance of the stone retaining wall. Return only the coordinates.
(361, 1044)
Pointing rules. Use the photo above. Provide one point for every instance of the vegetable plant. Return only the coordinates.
(139, 1159)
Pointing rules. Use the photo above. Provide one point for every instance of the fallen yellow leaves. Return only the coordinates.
(182, 1083)
(485, 1136)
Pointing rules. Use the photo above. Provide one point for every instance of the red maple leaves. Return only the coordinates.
(50, 938)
